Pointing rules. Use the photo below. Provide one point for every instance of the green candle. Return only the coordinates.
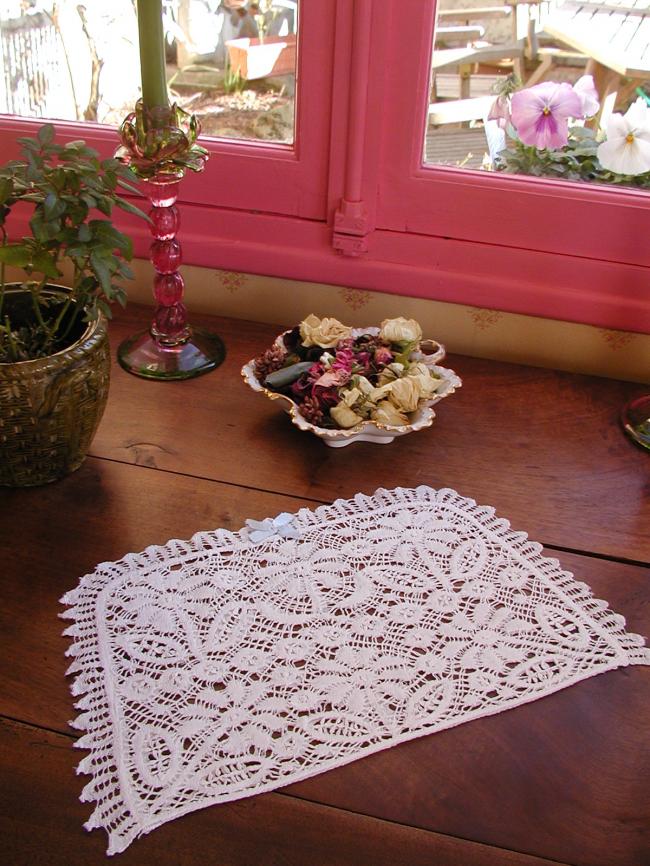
(152, 54)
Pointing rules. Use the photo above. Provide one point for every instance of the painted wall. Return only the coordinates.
(469, 330)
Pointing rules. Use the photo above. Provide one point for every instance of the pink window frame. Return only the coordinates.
(250, 175)
(351, 203)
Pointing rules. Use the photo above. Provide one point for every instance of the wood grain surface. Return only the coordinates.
(543, 447)
(563, 779)
(41, 823)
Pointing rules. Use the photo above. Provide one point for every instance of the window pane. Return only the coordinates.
(231, 63)
(550, 120)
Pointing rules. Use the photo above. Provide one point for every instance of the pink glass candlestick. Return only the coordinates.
(635, 419)
(170, 349)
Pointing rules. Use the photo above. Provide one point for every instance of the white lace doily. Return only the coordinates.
(237, 663)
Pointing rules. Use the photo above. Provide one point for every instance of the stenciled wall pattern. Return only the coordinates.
(466, 330)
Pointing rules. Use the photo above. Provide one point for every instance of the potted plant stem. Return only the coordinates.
(54, 356)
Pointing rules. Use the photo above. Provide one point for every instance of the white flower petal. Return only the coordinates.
(637, 114)
(586, 90)
(616, 126)
(629, 158)
(639, 158)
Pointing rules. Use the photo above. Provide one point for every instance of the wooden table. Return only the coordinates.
(614, 35)
(564, 779)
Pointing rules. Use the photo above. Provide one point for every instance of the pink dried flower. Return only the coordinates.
(344, 360)
(315, 371)
(383, 356)
(333, 377)
(327, 397)
(302, 388)
(363, 358)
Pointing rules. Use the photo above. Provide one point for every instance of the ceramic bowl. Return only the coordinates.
(368, 431)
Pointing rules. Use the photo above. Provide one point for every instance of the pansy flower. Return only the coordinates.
(540, 114)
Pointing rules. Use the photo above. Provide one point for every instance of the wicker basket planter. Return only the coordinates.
(50, 408)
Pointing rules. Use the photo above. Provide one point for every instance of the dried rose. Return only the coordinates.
(323, 332)
(386, 413)
(301, 388)
(383, 356)
(405, 394)
(344, 416)
(428, 382)
(400, 330)
(390, 373)
(326, 397)
(333, 377)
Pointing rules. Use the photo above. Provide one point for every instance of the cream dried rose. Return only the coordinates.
(427, 382)
(386, 413)
(400, 330)
(405, 394)
(325, 333)
(344, 416)
(390, 373)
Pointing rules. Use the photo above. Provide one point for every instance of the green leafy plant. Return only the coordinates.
(541, 142)
(233, 80)
(577, 160)
(64, 185)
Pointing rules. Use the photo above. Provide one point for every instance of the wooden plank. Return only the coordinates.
(453, 56)
(543, 447)
(530, 780)
(451, 146)
(554, 778)
(465, 33)
(448, 85)
(480, 13)
(593, 30)
(41, 822)
(61, 531)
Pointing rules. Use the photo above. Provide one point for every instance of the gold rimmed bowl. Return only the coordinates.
(429, 352)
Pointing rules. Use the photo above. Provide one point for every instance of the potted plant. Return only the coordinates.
(54, 355)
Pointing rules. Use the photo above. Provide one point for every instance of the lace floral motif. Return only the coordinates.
(225, 666)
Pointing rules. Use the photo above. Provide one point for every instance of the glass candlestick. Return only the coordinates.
(635, 419)
(171, 348)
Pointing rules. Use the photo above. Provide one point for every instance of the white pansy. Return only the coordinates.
(627, 148)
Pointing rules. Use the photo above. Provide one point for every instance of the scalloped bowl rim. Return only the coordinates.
(451, 379)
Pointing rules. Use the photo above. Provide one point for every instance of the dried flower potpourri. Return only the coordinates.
(340, 377)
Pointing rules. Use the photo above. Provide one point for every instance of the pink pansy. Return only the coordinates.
(540, 114)
(586, 90)
(500, 111)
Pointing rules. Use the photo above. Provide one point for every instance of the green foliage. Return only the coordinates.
(63, 184)
(578, 161)
(233, 80)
